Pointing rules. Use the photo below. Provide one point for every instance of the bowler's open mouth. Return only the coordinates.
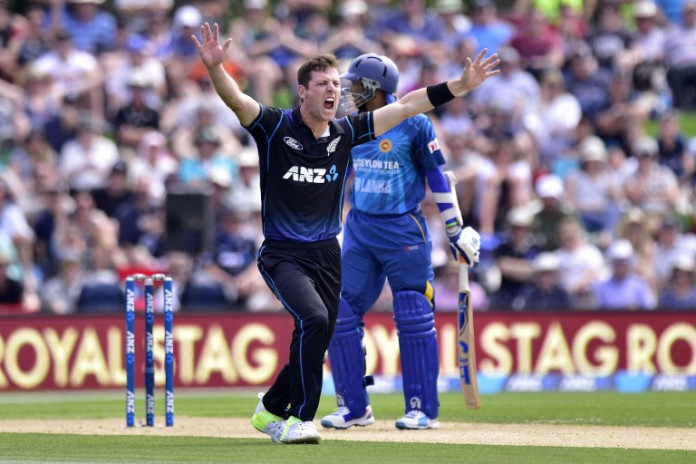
(329, 103)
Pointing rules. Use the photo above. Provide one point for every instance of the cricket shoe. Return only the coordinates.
(342, 418)
(416, 420)
(267, 422)
(298, 432)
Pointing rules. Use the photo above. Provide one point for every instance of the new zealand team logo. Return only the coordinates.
(292, 143)
(385, 146)
(332, 146)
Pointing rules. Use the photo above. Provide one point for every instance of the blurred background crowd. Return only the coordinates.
(576, 164)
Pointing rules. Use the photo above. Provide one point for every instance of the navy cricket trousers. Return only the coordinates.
(306, 278)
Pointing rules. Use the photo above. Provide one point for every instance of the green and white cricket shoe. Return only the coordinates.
(300, 432)
(267, 422)
(342, 418)
(416, 420)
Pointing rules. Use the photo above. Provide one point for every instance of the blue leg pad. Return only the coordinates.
(347, 359)
(415, 322)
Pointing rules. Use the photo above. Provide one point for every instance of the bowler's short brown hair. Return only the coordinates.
(318, 63)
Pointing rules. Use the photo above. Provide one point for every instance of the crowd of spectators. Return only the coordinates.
(571, 163)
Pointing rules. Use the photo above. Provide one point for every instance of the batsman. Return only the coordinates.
(386, 237)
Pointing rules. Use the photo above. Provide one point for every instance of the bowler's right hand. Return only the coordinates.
(212, 54)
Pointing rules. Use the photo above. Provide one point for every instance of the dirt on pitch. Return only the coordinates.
(454, 433)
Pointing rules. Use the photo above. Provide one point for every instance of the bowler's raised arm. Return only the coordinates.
(213, 55)
(425, 99)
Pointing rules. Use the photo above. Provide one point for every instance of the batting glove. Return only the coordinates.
(465, 245)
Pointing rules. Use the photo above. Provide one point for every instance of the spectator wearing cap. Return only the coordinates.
(543, 293)
(136, 57)
(639, 230)
(276, 37)
(42, 105)
(136, 118)
(86, 161)
(592, 191)
(141, 223)
(588, 82)
(262, 70)
(446, 289)
(514, 257)
(503, 181)
(671, 241)
(180, 54)
(54, 214)
(351, 37)
(244, 193)
(455, 24)
(75, 74)
(35, 154)
(653, 188)
(680, 291)
(487, 29)
(155, 161)
(538, 43)
(552, 211)
(624, 289)
(514, 88)
(554, 122)
(93, 30)
(672, 147)
(609, 38)
(625, 110)
(137, 14)
(412, 19)
(198, 112)
(60, 292)
(649, 36)
(232, 259)
(196, 169)
(572, 26)
(581, 263)
(116, 192)
(680, 58)
(35, 40)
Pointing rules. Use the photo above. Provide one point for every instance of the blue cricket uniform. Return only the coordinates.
(386, 233)
(387, 237)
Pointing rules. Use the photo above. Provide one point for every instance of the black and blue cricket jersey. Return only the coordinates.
(303, 178)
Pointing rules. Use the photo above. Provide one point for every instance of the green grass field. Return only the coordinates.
(607, 409)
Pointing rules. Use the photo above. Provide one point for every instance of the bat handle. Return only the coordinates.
(463, 277)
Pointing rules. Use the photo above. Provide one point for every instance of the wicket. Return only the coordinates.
(149, 288)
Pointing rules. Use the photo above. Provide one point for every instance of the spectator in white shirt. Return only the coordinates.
(86, 161)
(581, 263)
(624, 289)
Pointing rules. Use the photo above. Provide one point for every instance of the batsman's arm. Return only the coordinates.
(213, 55)
(465, 244)
(425, 99)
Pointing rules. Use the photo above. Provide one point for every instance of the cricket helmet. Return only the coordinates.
(374, 72)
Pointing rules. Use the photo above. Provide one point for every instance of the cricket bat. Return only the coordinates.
(466, 346)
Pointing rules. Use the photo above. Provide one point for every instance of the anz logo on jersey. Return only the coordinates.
(311, 175)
